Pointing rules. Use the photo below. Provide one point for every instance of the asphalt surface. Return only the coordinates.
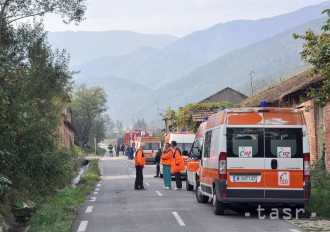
(116, 206)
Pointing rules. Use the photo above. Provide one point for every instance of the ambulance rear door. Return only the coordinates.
(284, 162)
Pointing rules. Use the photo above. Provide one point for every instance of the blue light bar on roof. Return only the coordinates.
(263, 103)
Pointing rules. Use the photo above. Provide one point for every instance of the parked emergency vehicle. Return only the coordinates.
(132, 136)
(152, 144)
(256, 156)
(193, 162)
(184, 141)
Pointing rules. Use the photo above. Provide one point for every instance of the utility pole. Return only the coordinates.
(252, 72)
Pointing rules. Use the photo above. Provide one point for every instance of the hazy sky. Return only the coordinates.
(176, 17)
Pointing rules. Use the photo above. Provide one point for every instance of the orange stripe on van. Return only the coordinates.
(251, 118)
(269, 179)
(283, 119)
(192, 165)
(296, 179)
(215, 120)
(208, 175)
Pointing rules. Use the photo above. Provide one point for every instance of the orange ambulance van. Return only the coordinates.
(194, 159)
(256, 156)
(152, 144)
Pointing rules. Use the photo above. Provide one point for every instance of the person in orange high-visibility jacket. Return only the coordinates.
(167, 157)
(177, 165)
(140, 161)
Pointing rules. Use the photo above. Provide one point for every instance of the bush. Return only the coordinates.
(185, 114)
(320, 196)
(319, 175)
(57, 212)
(320, 202)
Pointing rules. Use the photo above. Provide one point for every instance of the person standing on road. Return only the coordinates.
(166, 158)
(140, 161)
(157, 162)
(177, 165)
(117, 150)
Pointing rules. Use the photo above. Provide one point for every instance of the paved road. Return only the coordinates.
(115, 206)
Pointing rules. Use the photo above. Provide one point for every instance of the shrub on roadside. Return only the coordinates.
(57, 212)
(320, 196)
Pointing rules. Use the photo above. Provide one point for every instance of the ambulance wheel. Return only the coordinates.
(199, 195)
(218, 206)
(189, 187)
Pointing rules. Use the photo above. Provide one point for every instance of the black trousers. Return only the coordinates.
(139, 177)
(157, 169)
(178, 180)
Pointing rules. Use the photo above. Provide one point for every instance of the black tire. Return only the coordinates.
(189, 187)
(199, 195)
(218, 206)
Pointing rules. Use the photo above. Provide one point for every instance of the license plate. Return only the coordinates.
(247, 179)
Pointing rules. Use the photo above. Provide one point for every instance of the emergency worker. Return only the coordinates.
(177, 165)
(166, 158)
(157, 162)
(140, 161)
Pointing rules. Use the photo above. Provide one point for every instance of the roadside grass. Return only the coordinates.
(320, 203)
(320, 195)
(57, 212)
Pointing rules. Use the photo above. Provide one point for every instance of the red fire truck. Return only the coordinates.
(132, 136)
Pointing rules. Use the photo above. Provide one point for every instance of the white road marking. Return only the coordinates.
(98, 185)
(159, 194)
(178, 218)
(95, 193)
(97, 189)
(93, 198)
(247, 214)
(294, 230)
(89, 209)
(82, 226)
(147, 184)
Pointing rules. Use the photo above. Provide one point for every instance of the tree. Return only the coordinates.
(14, 10)
(88, 104)
(98, 129)
(34, 82)
(316, 51)
(140, 125)
(34, 86)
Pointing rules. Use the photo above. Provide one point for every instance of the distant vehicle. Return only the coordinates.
(152, 144)
(255, 156)
(194, 160)
(132, 136)
(184, 141)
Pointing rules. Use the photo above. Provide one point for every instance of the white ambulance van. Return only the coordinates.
(255, 156)
(184, 141)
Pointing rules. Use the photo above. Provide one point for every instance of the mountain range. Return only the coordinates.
(158, 71)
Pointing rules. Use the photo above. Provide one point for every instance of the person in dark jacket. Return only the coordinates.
(157, 162)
